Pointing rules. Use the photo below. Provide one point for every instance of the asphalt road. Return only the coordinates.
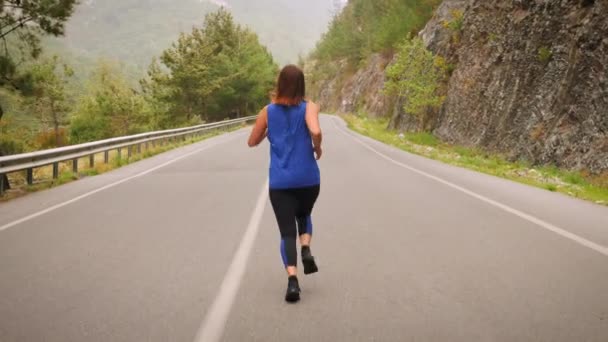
(184, 247)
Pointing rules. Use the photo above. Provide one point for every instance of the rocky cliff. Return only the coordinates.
(352, 91)
(530, 80)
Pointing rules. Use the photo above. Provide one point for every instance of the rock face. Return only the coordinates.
(360, 91)
(322, 88)
(364, 89)
(438, 39)
(532, 81)
(435, 36)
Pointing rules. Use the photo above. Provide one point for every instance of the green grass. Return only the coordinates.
(551, 187)
(423, 138)
(43, 176)
(63, 178)
(577, 184)
(66, 177)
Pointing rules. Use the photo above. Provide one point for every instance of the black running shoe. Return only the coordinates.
(309, 262)
(293, 290)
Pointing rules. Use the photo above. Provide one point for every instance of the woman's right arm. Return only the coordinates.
(312, 121)
(260, 129)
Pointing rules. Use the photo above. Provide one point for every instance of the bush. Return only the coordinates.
(457, 20)
(10, 146)
(544, 54)
(12, 141)
(48, 139)
(455, 24)
(85, 127)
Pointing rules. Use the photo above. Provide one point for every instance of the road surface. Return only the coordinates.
(184, 247)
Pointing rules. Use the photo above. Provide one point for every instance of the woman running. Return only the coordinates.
(292, 126)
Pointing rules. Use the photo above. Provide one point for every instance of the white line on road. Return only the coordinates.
(212, 328)
(560, 231)
(88, 194)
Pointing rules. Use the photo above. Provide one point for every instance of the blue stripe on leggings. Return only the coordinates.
(283, 252)
(309, 225)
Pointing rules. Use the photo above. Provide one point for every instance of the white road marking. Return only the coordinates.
(557, 230)
(93, 192)
(212, 328)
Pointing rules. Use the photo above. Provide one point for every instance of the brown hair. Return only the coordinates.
(291, 87)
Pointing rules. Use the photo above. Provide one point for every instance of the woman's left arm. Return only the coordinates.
(258, 134)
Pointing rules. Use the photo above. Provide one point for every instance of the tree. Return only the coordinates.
(416, 76)
(364, 27)
(48, 100)
(189, 83)
(158, 96)
(22, 23)
(251, 73)
(28, 20)
(110, 108)
(217, 71)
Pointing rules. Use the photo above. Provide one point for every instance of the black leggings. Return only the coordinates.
(292, 208)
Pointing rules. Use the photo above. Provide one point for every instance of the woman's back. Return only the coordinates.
(292, 160)
(292, 126)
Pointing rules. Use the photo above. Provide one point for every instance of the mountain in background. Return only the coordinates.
(135, 31)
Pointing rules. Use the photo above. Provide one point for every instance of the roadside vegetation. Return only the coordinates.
(219, 70)
(576, 184)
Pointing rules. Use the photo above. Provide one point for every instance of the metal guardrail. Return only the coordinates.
(30, 161)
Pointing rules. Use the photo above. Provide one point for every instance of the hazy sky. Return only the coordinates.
(134, 31)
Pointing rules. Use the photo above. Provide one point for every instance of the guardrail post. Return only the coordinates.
(119, 155)
(92, 161)
(2, 184)
(55, 170)
(106, 157)
(129, 148)
(75, 165)
(29, 176)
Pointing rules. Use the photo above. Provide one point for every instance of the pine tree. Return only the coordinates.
(49, 98)
(22, 22)
(217, 71)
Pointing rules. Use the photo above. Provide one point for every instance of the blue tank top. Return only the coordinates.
(292, 159)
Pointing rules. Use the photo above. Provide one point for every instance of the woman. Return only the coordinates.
(292, 126)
